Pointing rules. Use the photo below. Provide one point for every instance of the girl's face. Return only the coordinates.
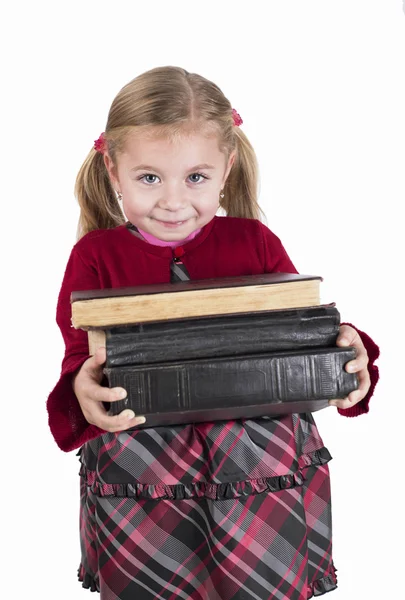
(170, 188)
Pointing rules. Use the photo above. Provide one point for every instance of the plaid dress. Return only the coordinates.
(231, 510)
(212, 511)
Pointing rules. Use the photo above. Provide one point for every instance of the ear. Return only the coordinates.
(230, 162)
(112, 171)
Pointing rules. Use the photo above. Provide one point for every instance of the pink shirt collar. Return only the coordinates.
(156, 242)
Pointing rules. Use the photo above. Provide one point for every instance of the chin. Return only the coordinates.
(173, 231)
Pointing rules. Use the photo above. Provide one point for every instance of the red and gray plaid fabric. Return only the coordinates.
(210, 511)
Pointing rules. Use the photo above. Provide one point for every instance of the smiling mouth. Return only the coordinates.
(171, 222)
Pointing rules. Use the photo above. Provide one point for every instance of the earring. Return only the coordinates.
(221, 195)
(119, 196)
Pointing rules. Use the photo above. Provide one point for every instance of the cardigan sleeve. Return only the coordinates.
(66, 420)
(276, 259)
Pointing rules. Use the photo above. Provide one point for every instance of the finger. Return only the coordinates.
(100, 355)
(125, 420)
(357, 365)
(363, 387)
(340, 403)
(361, 355)
(133, 422)
(343, 402)
(92, 368)
(355, 396)
(347, 336)
(96, 361)
(99, 393)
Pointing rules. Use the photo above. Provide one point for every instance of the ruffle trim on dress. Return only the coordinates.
(324, 585)
(317, 588)
(213, 491)
(318, 457)
(88, 582)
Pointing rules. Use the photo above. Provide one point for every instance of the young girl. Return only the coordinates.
(227, 510)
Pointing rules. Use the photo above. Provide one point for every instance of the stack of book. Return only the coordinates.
(219, 349)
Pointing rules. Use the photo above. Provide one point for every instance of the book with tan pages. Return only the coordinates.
(195, 298)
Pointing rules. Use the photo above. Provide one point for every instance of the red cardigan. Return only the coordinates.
(108, 258)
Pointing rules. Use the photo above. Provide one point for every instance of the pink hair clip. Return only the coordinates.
(237, 119)
(99, 145)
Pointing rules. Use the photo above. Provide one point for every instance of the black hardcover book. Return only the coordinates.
(229, 335)
(231, 388)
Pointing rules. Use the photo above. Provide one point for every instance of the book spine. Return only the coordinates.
(233, 385)
(227, 336)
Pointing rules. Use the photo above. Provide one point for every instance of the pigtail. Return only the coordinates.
(99, 207)
(241, 187)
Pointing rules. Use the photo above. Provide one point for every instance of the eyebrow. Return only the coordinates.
(150, 168)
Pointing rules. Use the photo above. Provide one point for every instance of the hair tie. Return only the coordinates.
(237, 119)
(99, 144)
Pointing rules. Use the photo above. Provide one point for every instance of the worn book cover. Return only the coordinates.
(227, 335)
(231, 388)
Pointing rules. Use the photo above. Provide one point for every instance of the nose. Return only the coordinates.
(172, 198)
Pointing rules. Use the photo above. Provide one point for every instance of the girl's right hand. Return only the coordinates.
(91, 395)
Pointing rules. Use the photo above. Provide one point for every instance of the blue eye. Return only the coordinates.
(198, 175)
(148, 175)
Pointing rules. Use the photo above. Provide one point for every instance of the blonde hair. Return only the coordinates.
(172, 101)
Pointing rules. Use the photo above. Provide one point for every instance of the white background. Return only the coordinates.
(320, 87)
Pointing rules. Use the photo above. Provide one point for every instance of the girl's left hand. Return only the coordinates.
(349, 337)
